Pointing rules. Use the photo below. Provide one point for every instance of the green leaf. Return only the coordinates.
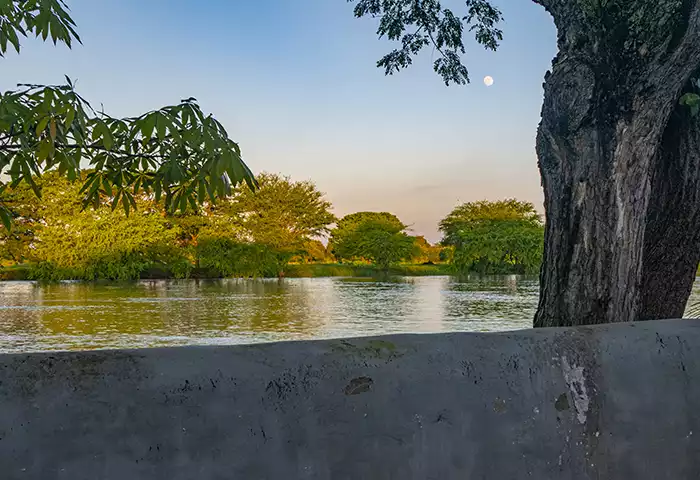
(5, 218)
(147, 125)
(107, 138)
(193, 203)
(35, 187)
(52, 129)
(126, 204)
(41, 126)
(107, 187)
(158, 191)
(11, 33)
(70, 117)
(690, 99)
(115, 200)
(160, 127)
(45, 148)
(201, 191)
(183, 202)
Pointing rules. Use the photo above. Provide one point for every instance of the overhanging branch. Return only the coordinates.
(120, 153)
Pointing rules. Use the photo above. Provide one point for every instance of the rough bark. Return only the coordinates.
(672, 237)
(608, 108)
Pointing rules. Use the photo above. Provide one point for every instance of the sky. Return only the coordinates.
(295, 83)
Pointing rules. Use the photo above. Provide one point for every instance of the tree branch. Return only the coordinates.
(120, 153)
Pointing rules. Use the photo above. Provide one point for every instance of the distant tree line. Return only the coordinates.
(249, 233)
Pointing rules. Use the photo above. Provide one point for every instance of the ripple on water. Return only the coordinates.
(73, 316)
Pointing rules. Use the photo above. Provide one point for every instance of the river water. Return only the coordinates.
(79, 316)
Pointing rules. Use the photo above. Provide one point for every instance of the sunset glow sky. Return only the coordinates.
(295, 83)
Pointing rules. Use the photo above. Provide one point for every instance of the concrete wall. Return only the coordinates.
(610, 402)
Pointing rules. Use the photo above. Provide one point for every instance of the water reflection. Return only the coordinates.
(158, 313)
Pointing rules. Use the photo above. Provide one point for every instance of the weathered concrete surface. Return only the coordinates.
(609, 402)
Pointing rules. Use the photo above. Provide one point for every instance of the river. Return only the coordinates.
(82, 316)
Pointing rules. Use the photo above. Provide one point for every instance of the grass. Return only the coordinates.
(315, 270)
(14, 272)
(309, 270)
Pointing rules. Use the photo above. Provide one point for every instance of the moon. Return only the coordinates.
(488, 80)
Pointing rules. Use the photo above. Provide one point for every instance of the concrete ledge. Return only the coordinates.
(607, 402)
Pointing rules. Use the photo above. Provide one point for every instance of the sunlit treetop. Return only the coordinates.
(417, 24)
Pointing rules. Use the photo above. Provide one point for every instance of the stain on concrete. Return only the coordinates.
(358, 385)
(499, 406)
(562, 403)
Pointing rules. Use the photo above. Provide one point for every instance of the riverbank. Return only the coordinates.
(318, 270)
(307, 270)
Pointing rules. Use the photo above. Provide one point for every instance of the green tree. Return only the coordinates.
(349, 223)
(101, 243)
(617, 145)
(470, 213)
(378, 238)
(280, 220)
(222, 256)
(494, 237)
(24, 206)
(425, 252)
(247, 234)
(177, 153)
(314, 252)
(282, 214)
(499, 246)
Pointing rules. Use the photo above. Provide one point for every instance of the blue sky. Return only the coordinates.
(295, 83)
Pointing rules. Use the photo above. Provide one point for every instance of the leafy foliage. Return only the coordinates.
(176, 153)
(70, 243)
(692, 98)
(494, 237)
(42, 18)
(62, 240)
(225, 257)
(282, 214)
(279, 220)
(468, 214)
(313, 252)
(431, 24)
(426, 253)
(379, 238)
(349, 223)
(26, 218)
(500, 246)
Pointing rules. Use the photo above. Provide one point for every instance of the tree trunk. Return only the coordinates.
(672, 238)
(611, 103)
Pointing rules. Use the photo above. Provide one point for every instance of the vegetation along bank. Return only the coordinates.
(284, 228)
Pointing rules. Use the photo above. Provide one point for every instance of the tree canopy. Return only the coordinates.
(469, 214)
(494, 237)
(65, 241)
(378, 237)
(347, 225)
(283, 214)
(176, 153)
(245, 234)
